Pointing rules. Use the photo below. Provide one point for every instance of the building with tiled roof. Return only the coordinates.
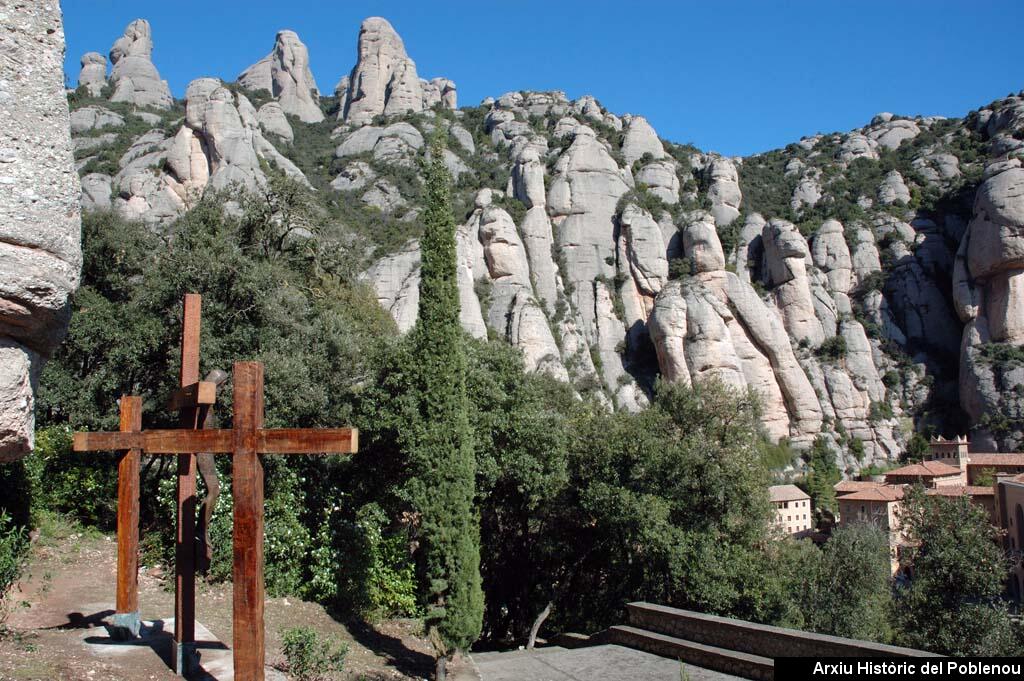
(990, 464)
(844, 487)
(979, 494)
(1009, 510)
(927, 473)
(878, 505)
(793, 510)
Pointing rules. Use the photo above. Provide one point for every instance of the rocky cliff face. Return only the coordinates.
(384, 80)
(40, 255)
(285, 74)
(865, 284)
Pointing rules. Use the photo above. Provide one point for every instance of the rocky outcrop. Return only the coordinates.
(93, 76)
(723, 190)
(893, 190)
(219, 145)
(585, 187)
(988, 285)
(384, 79)
(639, 139)
(94, 118)
(785, 268)
(134, 77)
(286, 75)
(712, 325)
(40, 228)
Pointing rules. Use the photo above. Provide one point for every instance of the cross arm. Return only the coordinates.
(156, 441)
(268, 441)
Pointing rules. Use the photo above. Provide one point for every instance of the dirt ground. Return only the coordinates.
(67, 594)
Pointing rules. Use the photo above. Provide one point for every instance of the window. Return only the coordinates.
(785, 504)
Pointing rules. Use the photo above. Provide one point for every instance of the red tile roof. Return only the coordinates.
(925, 469)
(844, 487)
(887, 493)
(957, 490)
(787, 493)
(996, 459)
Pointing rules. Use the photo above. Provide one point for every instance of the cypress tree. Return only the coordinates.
(440, 447)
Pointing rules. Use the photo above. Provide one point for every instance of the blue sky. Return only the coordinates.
(734, 77)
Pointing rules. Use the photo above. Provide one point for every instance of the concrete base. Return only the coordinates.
(124, 626)
(605, 662)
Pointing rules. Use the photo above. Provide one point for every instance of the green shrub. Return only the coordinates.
(879, 411)
(309, 656)
(833, 348)
(13, 550)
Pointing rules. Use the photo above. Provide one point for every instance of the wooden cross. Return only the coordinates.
(245, 441)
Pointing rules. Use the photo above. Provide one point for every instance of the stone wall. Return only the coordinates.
(755, 639)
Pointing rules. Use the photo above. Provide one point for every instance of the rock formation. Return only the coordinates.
(988, 287)
(384, 79)
(40, 252)
(134, 77)
(93, 76)
(285, 74)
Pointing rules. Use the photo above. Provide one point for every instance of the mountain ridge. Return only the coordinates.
(827, 275)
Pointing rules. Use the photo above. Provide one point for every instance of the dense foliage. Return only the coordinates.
(953, 605)
(576, 507)
(434, 434)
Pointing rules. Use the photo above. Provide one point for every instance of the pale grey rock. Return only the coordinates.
(565, 126)
(585, 188)
(937, 168)
(786, 258)
(891, 134)
(211, 112)
(640, 139)
(857, 146)
(807, 193)
(645, 250)
(286, 75)
(463, 137)
(661, 180)
(40, 218)
(96, 188)
(384, 196)
(893, 189)
(749, 251)
(273, 121)
(134, 77)
(831, 255)
(539, 243)
(723, 190)
(87, 143)
(439, 92)
(355, 175)
(528, 179)
(384, 79)
(794, 167)
(94, 118)
(588, 107)
(396, 280)
(701, 244)
(93, 76)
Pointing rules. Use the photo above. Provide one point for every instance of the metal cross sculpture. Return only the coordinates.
(245, 441)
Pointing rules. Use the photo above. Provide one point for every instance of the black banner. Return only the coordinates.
(895, 668)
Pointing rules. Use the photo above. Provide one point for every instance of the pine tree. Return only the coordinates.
(440, 448)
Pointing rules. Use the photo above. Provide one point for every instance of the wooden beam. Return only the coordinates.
(193, 395)
(185, 544)
(308, 441)
(247, 490)
(156, 441)
(128, 512)
(181, 441)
